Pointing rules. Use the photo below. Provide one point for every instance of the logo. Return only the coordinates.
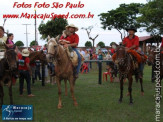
(17, 112)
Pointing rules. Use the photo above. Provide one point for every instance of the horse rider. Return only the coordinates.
(131, 43)
(3, 40)
(73, 40)
(25, 72)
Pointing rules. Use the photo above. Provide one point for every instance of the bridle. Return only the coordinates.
(56, 56)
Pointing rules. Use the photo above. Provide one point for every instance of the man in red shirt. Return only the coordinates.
(131, 42)
(25, 72)
(73, 40)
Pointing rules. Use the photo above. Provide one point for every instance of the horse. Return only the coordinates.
(8, 67)
(126, 70)
(64, 70)
(37, 55)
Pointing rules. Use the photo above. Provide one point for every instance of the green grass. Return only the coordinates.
(97, 103)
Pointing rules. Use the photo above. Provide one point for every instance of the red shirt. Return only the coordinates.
(23, 63)
(129, 43)
(74, 38)
(112, 50)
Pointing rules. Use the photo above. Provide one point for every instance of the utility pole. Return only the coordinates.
(35, 29)
(26, 34)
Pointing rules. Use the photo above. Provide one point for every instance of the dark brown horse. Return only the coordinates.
(64, 69)
(8, 66)
(126, 70)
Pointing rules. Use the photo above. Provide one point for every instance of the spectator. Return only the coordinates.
(25, 72)
(37, 71)
(87, 57)
(97, 49)
(82, 52)
(100, 55)
(91, 57)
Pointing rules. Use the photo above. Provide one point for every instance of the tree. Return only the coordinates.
(52, 28)
(88, 44)
(33, 43)
(19, 43)
(152, 17)
(88, 30)
(101, 44)
(121, 18)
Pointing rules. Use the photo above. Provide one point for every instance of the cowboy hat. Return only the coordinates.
(73, 26)
(131, 28)
(25, 52)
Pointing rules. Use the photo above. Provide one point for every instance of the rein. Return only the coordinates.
(57, 54)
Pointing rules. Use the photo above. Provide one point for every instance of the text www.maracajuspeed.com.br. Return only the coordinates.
(46, 16)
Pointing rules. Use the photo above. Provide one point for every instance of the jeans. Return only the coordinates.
(24, 75)
(37, 74)
(79, 60)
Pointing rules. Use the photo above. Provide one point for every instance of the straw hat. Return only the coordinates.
(25, 52)
(73, 26)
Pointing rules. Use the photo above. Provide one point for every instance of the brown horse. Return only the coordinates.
(64, 69)
(8, 66)
(126, 70)
(38, 55)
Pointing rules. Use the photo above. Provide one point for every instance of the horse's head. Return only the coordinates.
(42, 56)
(120, 55)
(151, 55)
(53, 49)
(11, 58)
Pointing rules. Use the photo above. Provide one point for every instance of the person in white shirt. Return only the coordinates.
(82, 52)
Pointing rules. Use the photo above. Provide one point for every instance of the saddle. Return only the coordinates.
(73, 56)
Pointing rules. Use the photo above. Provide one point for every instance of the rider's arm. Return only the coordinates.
(73, 45)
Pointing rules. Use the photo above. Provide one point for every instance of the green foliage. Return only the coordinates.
(88, 44)
(33, 43)
(122, 17)
(52, 28)
(101, 44)
(19, 43)
(152, 16)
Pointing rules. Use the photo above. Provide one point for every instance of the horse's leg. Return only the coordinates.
(59, 93)
(71, 80)
(130, 88)
(65, 87)
(10, 92)
(1, 94)
(121, 90)
(141, 83)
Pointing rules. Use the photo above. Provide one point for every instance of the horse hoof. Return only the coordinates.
(59, 106)
(142, 93)
(119, 101)
(131, 103)
(75, 104)
(128, 94)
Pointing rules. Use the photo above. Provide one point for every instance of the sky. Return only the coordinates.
(16, 26)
